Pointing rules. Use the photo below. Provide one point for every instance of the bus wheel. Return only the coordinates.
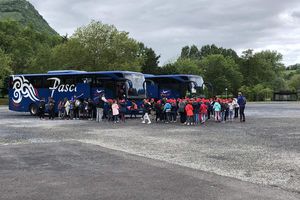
(33, 109)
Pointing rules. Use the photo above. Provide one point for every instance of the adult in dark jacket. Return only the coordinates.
(51, 108)
(42, 108)
(196, 111)
(158, 111)
(242, 104)
(122, 109)
(100, 107)
(181, 110)
(174, 111)
(90, 107)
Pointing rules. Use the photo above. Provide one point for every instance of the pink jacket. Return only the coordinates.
(115, 109)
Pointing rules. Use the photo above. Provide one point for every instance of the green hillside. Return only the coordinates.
(24, 12)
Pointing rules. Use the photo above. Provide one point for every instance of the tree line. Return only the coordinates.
(101, 47)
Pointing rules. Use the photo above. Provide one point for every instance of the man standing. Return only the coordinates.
(102, 100)
(242, 103)
(51, 106)
(42, 107)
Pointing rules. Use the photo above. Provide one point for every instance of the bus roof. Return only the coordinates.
(77, 72)
(170, 75)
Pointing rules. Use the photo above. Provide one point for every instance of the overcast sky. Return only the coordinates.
(168, 25)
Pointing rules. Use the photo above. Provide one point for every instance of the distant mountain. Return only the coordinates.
(24, 12)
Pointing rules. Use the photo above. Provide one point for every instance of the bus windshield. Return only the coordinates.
(136, 85)
(196, 84)
(197, 80)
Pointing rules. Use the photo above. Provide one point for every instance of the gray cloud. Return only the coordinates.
(168, 25)
(296, 14)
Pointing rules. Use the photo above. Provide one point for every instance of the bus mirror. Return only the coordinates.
(129, 83)
(149, 81)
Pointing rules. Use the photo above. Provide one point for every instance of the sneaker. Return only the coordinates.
(143, 122)
(149, 123)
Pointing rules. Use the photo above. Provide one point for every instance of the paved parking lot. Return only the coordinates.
(259, 159)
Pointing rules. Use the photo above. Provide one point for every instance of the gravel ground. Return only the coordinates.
(264, 150)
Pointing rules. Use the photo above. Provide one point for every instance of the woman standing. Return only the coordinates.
(67, 108)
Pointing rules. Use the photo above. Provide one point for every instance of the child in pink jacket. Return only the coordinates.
(115, 111)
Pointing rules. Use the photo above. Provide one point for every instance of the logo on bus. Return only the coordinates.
(165, 93)
(61, 87)
(23, 88)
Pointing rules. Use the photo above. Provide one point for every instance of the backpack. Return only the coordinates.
(77, 103)
(181, 107)
(244, 100)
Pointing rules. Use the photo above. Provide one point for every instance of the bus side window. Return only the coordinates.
(49, 83)
(36, 82)
(87, 80)
(69, 81)
(98, 82)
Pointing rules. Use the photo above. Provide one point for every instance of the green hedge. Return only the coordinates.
(3, 101)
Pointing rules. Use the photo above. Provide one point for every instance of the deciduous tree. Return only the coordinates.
(5, 67)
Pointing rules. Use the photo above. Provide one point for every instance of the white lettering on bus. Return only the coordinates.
(61, 87)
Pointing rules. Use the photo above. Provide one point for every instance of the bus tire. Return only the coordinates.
(33, 109)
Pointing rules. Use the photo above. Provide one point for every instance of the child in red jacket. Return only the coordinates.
(203, 112)
(189, 113)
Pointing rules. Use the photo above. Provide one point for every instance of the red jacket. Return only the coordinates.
(189, 110)
(203, 108)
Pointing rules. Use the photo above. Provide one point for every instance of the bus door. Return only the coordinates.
(152, 89)
(83, 88)
(103, 85)
(170, 89)
(120, 89)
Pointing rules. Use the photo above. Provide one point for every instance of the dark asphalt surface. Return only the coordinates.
(86, 160)
(81, 171)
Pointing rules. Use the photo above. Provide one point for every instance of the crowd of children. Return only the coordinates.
(189, 111)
